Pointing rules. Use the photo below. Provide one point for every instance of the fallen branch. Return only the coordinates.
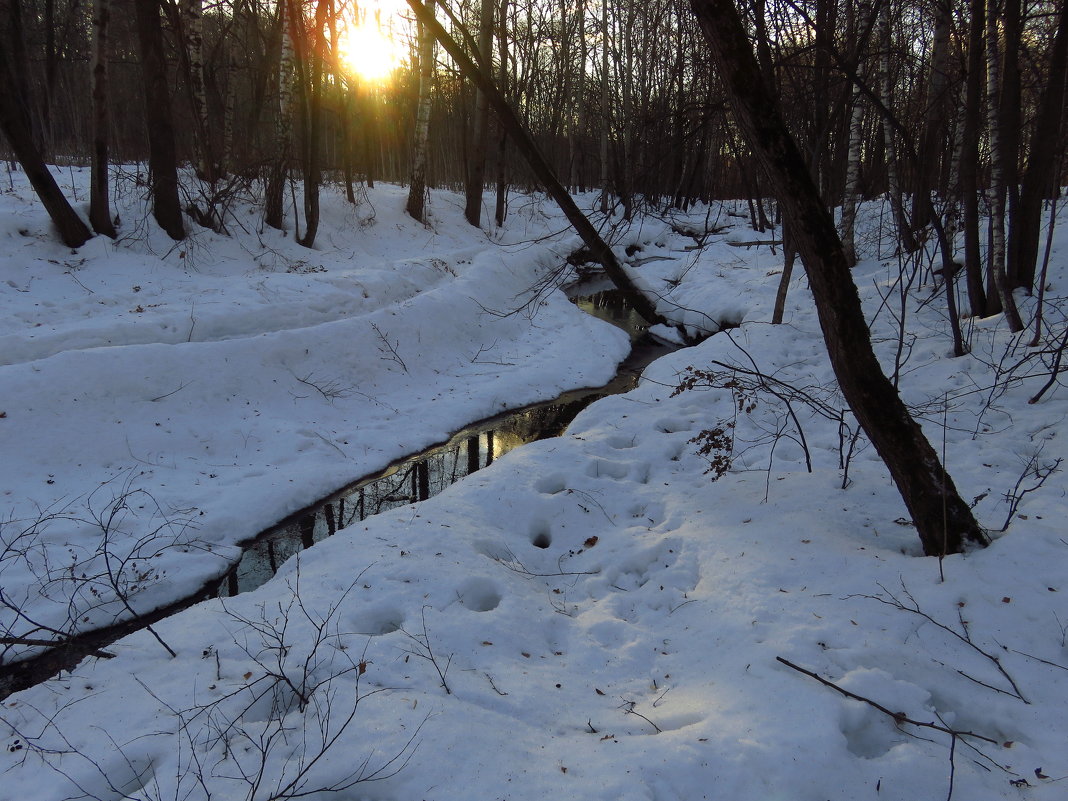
(899, 717)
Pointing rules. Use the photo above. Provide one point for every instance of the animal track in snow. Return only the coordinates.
(540, 534)
(602, 467)
(479, 594)
(551, 484)
(375, 620)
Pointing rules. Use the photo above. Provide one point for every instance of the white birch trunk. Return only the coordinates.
(417, 189)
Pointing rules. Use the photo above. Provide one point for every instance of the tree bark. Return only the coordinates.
(969, 159)
(942, 519)
(162, 159)
(99, 205)
(931, 146)
(313, 119)
(476, 164)
(999, 172)
(15, 124)
(1041, 174)
(278, 171)
(893, 167)
(540, 167)
(417, 188)
(193, 28)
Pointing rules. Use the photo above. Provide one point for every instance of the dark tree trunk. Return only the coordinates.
(313, 89)
(942, 519)
(540, 167)
(15, 124)
(969, 160)
(99, 206)
(162, 159)
(1041, 172)
(476, 165)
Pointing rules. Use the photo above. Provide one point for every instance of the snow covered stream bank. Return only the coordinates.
(590, 617)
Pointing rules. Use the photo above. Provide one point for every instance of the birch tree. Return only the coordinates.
(421, 136)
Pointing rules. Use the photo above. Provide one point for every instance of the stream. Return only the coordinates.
(408, 480)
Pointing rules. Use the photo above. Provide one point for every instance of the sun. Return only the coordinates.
(372, 46)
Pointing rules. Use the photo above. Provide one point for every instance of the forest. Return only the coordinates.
(256, 253)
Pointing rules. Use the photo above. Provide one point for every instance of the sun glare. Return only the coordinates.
(372, 47)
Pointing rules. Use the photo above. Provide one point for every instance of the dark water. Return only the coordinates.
(413, 479)
(424, 475)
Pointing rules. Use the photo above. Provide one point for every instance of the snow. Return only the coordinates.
(591, 616)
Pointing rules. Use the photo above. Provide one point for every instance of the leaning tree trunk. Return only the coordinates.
(942, 519)
(416, 206)
(15, 125)
(99, 205)
(525, 144)
(162, 159)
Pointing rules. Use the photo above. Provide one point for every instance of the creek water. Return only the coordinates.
(425, 474)
(414, 478)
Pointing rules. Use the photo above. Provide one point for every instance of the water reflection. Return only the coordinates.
(426, 474)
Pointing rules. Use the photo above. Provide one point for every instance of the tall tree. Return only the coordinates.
(969, 158)
(942, 519)
(278, 169)
(421, 136)
(1000, 170)
(193, 32)
(99, 205)
(1040, 176)
(476, 163)
(15, 125)
(162, 157)
(539, 165)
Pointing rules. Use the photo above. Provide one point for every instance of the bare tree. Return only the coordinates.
(99, 206)
(421, 136)
(15, 124)
(942, 519)
(162, 158)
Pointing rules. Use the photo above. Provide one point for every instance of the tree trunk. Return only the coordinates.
(193, 28)
(500, 210)
(476, 164)
(931, 146)
(99, 205)
(893, 169)
(606, 117)
(1041, 173)
(852, 183)
(15, 124)
(540, 167)
(969, 159)
(312, 88)
(998, 171)
(278, 171)
(942, 519)
(162, 160)
(417, 189)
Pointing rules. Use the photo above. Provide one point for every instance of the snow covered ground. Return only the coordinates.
(591, 617)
